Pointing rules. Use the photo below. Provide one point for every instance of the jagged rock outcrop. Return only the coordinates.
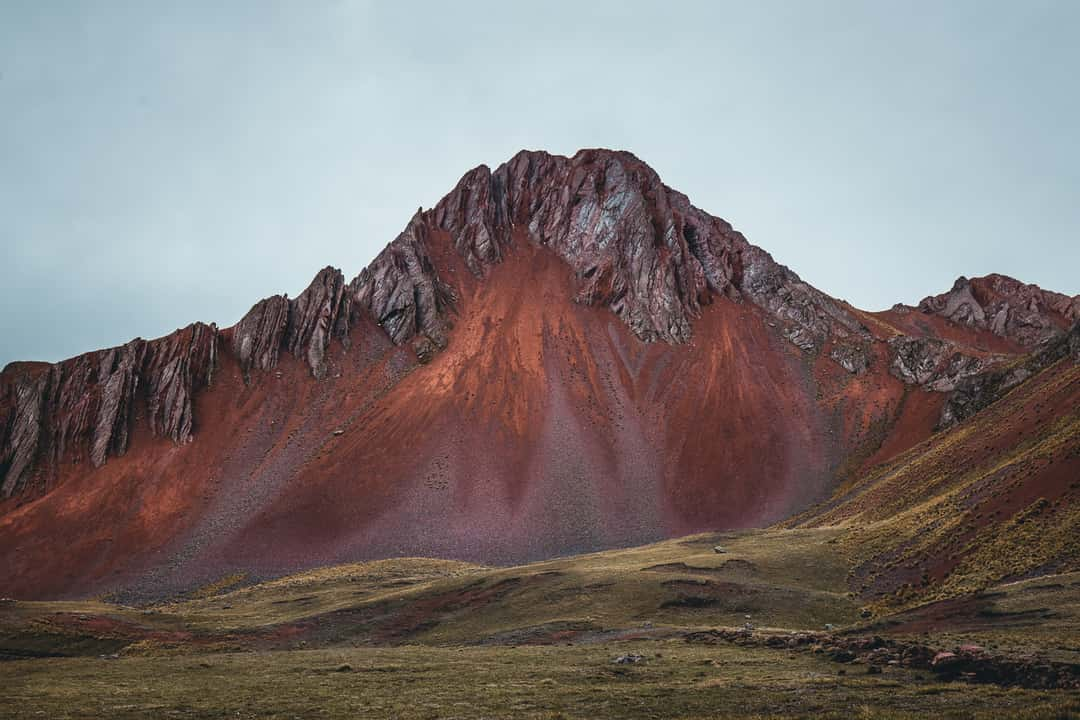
(118, 376)
(85, 406)
(316, 315)
(404, 294)
(21, 394)
(304, 326)
(810, 317)
(400, 290)
(175, 368)
(931, 363)
(257, 338)
(972, 394)
(1025, 314)
(637, 246)
(853, 357)
(606, 214)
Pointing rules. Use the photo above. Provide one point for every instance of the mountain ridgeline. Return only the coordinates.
(562, 355)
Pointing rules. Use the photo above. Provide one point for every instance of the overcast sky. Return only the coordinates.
(168, 162)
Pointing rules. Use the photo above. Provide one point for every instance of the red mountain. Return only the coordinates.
(562, 355)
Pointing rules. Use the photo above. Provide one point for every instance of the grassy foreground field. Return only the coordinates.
(767, 627)
(675, 679)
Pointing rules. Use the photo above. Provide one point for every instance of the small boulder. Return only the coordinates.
(628, 659)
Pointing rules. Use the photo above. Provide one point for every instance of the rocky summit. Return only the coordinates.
(563, 355)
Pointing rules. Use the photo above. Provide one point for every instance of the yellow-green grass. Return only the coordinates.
(947, 503)
(781, 578)
(674, 680)
(461, 645)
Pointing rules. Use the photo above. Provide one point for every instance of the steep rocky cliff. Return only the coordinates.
(84, 408)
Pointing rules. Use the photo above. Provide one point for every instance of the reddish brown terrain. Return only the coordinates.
(562, 355)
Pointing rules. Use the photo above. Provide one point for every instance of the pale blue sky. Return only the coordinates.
(164, 163)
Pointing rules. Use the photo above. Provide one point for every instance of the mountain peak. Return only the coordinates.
(634, 247)
(1021, 312)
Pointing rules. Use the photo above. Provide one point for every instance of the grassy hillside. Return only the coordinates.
(417, 638)
(994, 500)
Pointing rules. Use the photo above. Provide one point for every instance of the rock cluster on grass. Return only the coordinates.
(968, 663)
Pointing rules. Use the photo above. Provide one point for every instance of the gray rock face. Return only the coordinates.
(853, 357)
(958, 305)
(972, 394)
(400, 290)
(403, 293)
(319, 313)
(85, 406)
(118, 376)
(257, 338)
(637, 246)
(915, 359)
(174, 369)
(1025, 314)
(303, 326)
(931, 363)
(22, 428)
